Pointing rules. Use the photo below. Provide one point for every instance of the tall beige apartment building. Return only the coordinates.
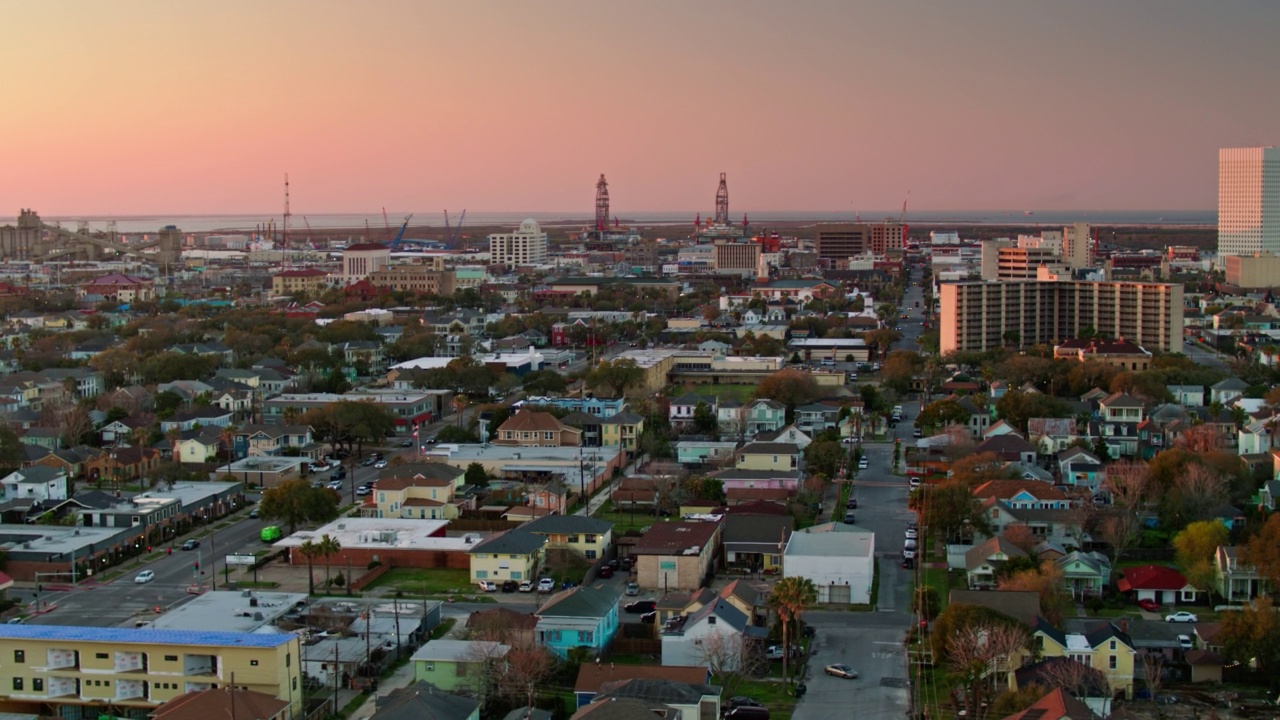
(526, 246)
(1248, 201)
(985, 315)
(841, 241)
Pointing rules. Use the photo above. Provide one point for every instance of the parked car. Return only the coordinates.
(363, 490)
(605, 572)
(862, 463)
(649, 618)
(510, 586)
(335, 484)
(641, 606)
(526, 586)
(633, 589)
(841, 670)
(851, 503)
(546, 585)
(253, 514)
(774, 652)
(848, 518)
(191, 544)
(1149, 605)
(368, 462)
(380, 464)
(743, 701)
(1185, 642)
(808, 631)
(912, 533)
(747, 712)
(145, 576)
(487, 586)
(1182, 616)
(915, 433)
(908, 554)
(909, 564)
(407, 443)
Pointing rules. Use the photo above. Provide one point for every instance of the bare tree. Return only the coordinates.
(483, 664)
(1021, 536)
(1127, 482)
(959, 442)
(1081, 517)
(1202, 489)
(980, 656)
(527, 666)
(1153, 672)
(730, 658)
(1075, 677)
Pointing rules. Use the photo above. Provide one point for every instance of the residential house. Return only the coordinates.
(591, 426)
(1238, 582)
(1023, 494)
(222, 702)
(123, 464)
(762, 416)
(1057, 704)
(1052, 435)
(364, 357)
(1085, 574)
(1187, 395)
(88, 383)
(982, 562)
(220, 350)
(588, 537)
(208, 416)
(755, 542)
(676, 555)
(839, 559)
(592, 677)
(688, 639)
(511, 555)
(1021, 605)
(733, 479)
(456, 664)
(38, 483)
(199, 446)
(530, 428)
(1270, 491)
(1164, 585)
(1009, 448)
(816, 417)
(1080, 468)
(580, 617)
(421, 701)
(1225, 391)
(702, 452)
(1102, 646)
(689, 701)
(423, 491)
(729, 417)
(503, 625)
(272, 440)
(768, 456)
(1119, 417)
(124, 430)
(70, 461)
(623, 429)
(979, 417)
(682, 408)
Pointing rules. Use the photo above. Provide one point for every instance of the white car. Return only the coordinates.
(1182, 616)
(145, 576)
(546, 585)
(908, 554)
(487, 586)
(526, 586)
(380, 464)
(335, 484)
(912, 533)
(862, 463)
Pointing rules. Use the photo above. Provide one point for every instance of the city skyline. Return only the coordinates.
(186, 109)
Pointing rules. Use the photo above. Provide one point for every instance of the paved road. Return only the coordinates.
(870, 643)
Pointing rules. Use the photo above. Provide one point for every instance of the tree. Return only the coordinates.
(1262, 551)
(544, 382)
(294, 502)
(327, 548)
(790, 387)
(1252, 635)
(1152, 673)
(980, 652)
(899, 370)
(1011, 702)
(790, 597)
(729, 658)
(704, 420)
(1195, 547)
(455, 434)
(476, 475)
(1074, 677)
(823, 457)
(941, 414)
(1047, 582)
(1016, 408)
(618, 375)
(1127, 483)
(1197, 492)
(949, 510)
(310, 551)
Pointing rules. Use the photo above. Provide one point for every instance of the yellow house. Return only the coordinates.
(1103, 647)
(622, 429)
(589, 537)
(138, 670)
(768, 456)
(423, 490)
(512, 555)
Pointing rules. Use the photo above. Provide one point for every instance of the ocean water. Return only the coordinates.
(247, 222)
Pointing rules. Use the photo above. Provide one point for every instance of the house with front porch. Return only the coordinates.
(685, 639)
(737, 479)
(271, 440)
(1084, 574)
(755, 542)
(1052, 435)
(1119, 416)
(983, 561)
(1057, 526)
(1164, 585)
(682, 408)
(424, 491)
(623, 430)
(768, 456)
(208, 416)
(588, 537)
(582, 617)
(762, 416)
(37, 483)
(816, 417)
(1102, 646)
(789, 434)
(1080, 468)
(704, 452)
(1238, 582)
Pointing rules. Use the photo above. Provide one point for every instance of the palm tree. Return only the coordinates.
(308, 548)
(327, 548)
(791, 595)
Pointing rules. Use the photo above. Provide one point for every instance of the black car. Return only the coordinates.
(510, 586)
(407, 443)
(808, 631)
(851, 504)
(909, 564)
(641, 606)
(649, 618)
(743, 701)
(848, 518)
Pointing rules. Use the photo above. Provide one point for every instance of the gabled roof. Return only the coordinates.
(220, 704)
(1056, 705)
(1151, 577)
(622, 418)
(1006, 489)
(567, 524)
(626, 708)
(1119, 400)
(1008, 444)
(581, 601)
(533, 420)
(978, 554)
(658, 690)
(593, 676)
(513, 542)
(577, 418)
(1231, 383)
(424, 701)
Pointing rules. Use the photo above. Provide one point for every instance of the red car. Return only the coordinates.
(1149, 605)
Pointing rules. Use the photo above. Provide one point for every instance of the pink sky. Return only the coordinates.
(162, 107)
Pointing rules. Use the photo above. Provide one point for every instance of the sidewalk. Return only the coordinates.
(401, 678)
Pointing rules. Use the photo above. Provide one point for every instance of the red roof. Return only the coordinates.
(1151, 577)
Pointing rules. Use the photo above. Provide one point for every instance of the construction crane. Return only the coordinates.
(903, 216)
(386, 222)
(395, 244)
(453, 233)
(308, 225)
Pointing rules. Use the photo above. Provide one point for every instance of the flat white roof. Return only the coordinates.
(386, 533)
(831, 540)
(828, 342)
(229, 611)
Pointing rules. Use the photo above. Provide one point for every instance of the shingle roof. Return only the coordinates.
(424, 701)
(663, 691)
(592, 676)
(1151, 577)
(514, 542)
(565, 524)
(581, 601)
(673, 538)
(220, 704)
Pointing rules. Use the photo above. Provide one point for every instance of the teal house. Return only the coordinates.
(580, 617)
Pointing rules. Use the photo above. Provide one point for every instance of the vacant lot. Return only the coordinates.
(414, 581)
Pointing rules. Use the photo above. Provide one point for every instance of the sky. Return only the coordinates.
(138, 107)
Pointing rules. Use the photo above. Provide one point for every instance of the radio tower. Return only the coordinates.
(722, 202)
(602, 204)
(284, 235)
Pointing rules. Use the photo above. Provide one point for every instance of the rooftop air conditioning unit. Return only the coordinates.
(257, 616)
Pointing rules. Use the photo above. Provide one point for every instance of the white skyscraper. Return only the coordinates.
(1248, 200)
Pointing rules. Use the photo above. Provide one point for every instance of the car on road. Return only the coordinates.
(253, 514)
(487, 586)
(650, 617)
(335, 484)
(852, 439)
(912, 533)
(841, 670)
(1149, 605)
(808, 631)
(510, 586)
(774, 652)
(546, 585)
(915, 433)
(380, 464)
(368, 462)
(851, 504)
(1182, 616)
(909, 564)
(145, 576)
(605, 572)
(908, 554)
(633, 589)
(363, 490)
(641, 606)
(191, 544)
(915, 481)
(849, 519)
(270, 533)
(526, 586)
(407, 443)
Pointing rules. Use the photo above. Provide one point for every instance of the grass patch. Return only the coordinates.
(772, 694)
(420, 581)
(443, 628)
(741, 393)
(624, 520)
(261, 584)
(936, 578)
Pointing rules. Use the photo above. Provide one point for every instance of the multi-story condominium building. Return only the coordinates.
(1023, 263)
(985, 315)
(737, 258)
(78, 671)
(842, 241)
(1248, 200)
(292, 282)
(423, 279)
(525, 246)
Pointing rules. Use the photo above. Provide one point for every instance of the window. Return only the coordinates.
(1112, 662)
(101, 656)
(1113, 645)
(171, 658)
(590, 554)
(17, 683)
(253, 663)
(430, 667)
(573, 538)
(288, 658)
(589, 537)
(19, 656)
(586, 636)
(482, 574)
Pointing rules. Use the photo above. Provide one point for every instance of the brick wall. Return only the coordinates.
(401, 558)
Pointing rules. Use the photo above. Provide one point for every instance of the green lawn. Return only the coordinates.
(417, 581)
(624, 520)
(772, 694)
(936, 578)
(741, 393)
